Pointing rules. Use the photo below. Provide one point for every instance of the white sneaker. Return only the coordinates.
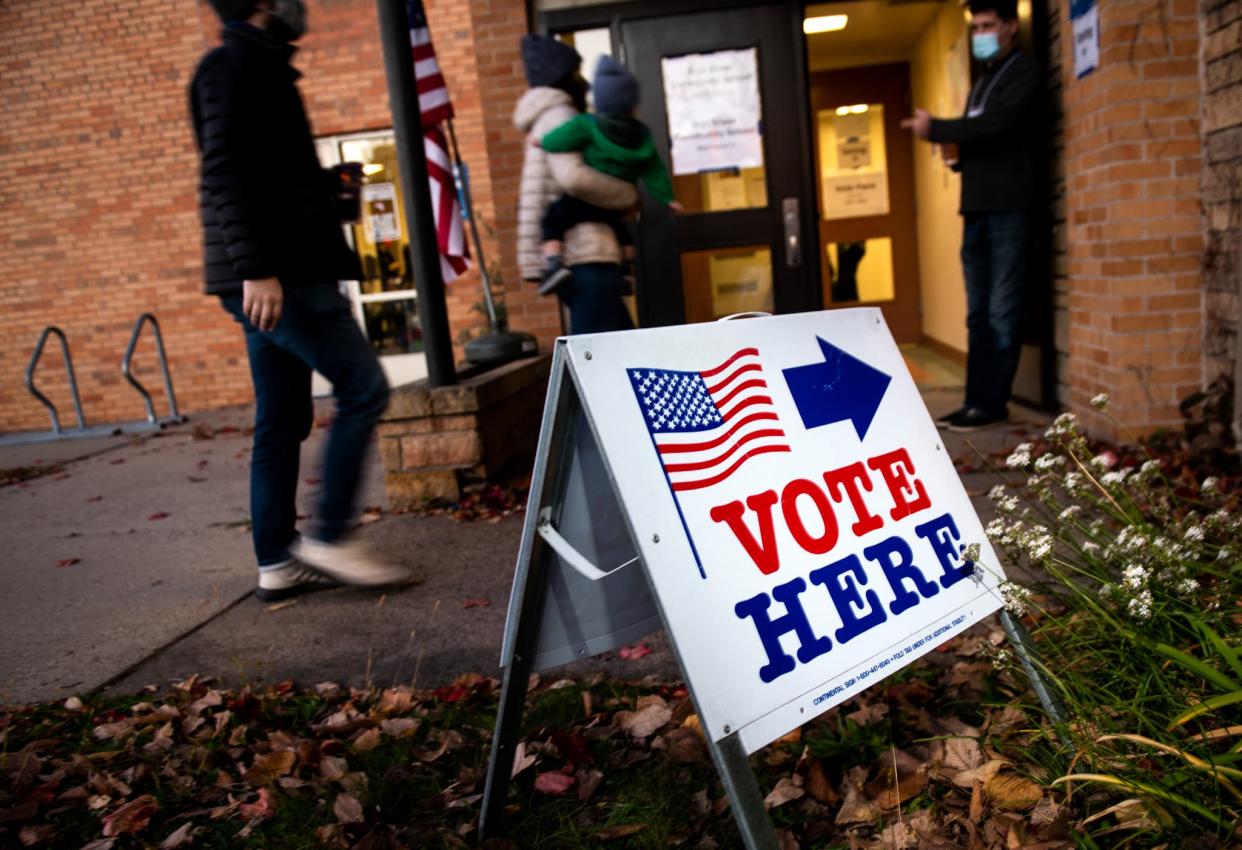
(290, 579)
(349, 562)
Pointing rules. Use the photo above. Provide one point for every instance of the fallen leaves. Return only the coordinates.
(267, 768)
(132, 817)
(68, 562)
(892, 768)
(632, 653)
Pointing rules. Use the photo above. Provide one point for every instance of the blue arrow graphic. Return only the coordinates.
(842, 387)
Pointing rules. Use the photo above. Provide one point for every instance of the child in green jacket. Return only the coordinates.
(614, 142)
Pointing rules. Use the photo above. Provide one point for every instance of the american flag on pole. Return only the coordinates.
(705, 425)
(436, 108)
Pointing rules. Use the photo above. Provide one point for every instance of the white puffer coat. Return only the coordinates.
(547, 176)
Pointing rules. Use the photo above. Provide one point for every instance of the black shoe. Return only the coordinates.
(945, 421)
(553, 276)
(975, 419)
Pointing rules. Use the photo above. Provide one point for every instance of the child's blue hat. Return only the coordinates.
(615, 88)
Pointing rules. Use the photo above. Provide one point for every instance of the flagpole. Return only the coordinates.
(461, 180)
(407, 123)
(502, 344)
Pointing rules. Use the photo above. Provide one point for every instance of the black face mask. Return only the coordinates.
(287, 20)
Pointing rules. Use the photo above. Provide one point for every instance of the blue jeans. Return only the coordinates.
(994, 262)
(593, 296)
(316, 332)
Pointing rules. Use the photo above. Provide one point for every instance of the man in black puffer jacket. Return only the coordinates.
(274, 253)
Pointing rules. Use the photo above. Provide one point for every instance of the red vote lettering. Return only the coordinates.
(848, 477)
(899, 486)
(763, 551)
(789, 506)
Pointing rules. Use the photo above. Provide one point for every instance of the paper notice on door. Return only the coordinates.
(713, 107)
(854, 195)
(379, 202)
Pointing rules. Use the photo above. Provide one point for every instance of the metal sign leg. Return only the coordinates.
(1023, 646)
(561, 417)
(744, 796)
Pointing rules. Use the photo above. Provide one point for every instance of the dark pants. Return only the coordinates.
(994, 261)
(567, 211)
(593, 296)
(316, 332)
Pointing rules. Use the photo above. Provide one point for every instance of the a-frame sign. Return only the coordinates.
(774, 494)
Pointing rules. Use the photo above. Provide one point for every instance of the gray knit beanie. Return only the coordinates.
(614, 87)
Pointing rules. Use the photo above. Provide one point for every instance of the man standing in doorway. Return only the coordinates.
(994, 146)
(273, 254)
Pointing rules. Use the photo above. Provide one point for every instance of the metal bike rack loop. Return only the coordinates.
(173, 414)
(73, 382)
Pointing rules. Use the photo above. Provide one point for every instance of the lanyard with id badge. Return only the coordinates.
(976, 104)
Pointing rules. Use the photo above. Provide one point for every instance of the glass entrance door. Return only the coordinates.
(384, 300)
(723, 92)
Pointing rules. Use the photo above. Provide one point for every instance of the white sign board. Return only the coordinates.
(1085, 24)
(798, 516)
(852, 195)
(379, 201)
(712, 102)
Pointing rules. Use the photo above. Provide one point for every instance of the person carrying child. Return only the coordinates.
(614, 142)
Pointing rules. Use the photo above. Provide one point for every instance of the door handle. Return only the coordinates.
(793, 232)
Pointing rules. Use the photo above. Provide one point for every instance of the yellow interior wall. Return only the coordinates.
(937, 188)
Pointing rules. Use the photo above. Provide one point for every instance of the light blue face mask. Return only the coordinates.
(985, 46)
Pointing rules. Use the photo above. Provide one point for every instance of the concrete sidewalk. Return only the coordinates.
(129, 563)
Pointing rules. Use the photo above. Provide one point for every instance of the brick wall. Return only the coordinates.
(1134, 232)
(1222, 189)
(98, 181)
(98, 221)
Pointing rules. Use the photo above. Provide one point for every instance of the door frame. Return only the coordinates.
(665, 305)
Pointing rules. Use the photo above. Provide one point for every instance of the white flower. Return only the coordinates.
(1100, 401)
(971, 552)
(1069, 513)
(1140, 606)
(1135, 576)
(1104, 460)
(1039, 546)
(1008, 504)
(1187, 586)
(1195, 533)
(997, 492)
(1113, 478)
(1209, 484)
(1048, 462)
(1021, 457)
(1150, 467)
(1090, 547)
(1073, 481)
(1016, 597)
(995, 529)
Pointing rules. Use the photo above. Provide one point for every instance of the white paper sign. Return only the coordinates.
(379, 201)
(852, 195)
(714, 115)
(854, 152)
(799, 517)
(1085, 20)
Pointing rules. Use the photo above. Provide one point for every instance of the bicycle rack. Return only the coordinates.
(73, 382)
(57, 432)
(173, 415)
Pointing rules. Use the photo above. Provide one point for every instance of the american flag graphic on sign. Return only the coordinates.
(705, 425)
(436, 108)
